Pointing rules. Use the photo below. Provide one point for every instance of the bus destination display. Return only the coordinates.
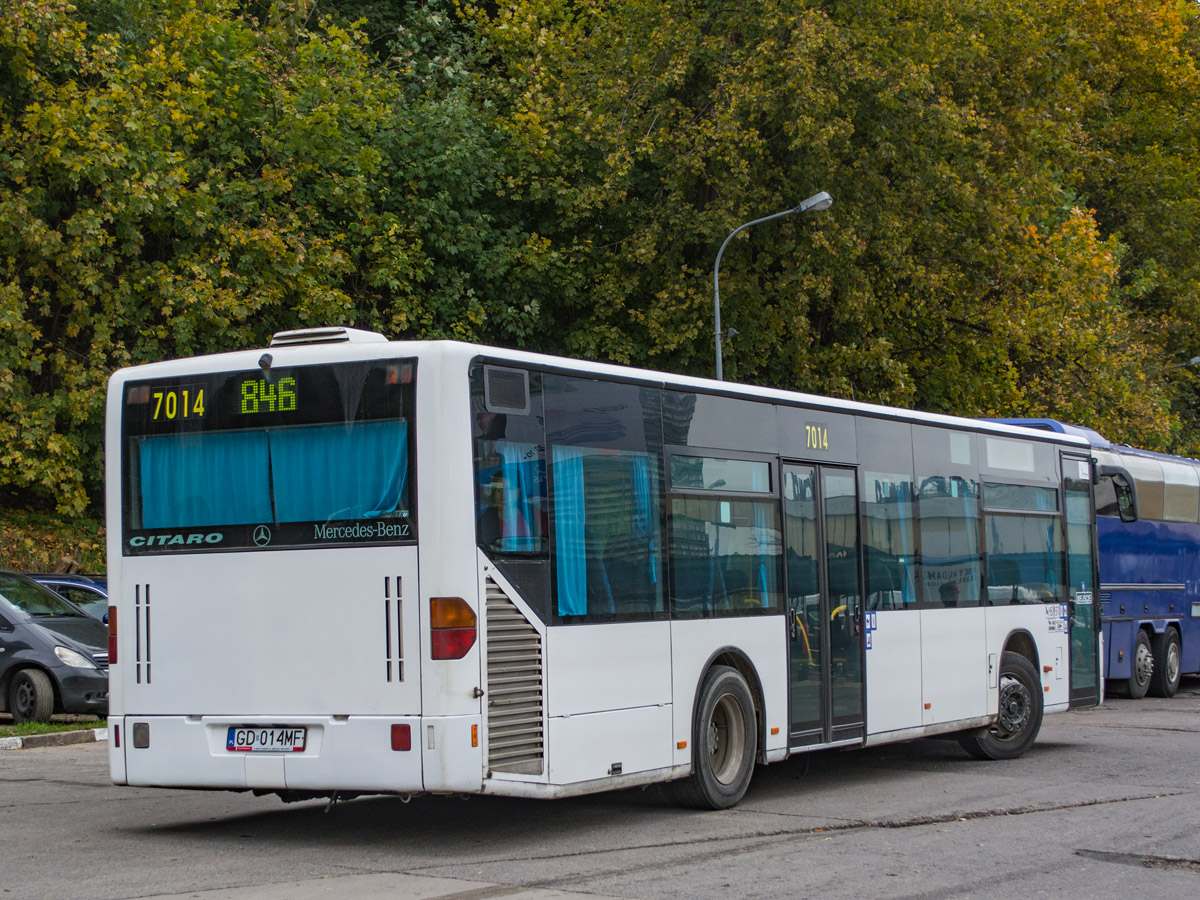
(300, 395)
(259, 395)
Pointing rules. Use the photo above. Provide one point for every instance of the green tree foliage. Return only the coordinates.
(963, 267)
(164, 186)
(182, 177)
(1016, 189)
(1142, 174)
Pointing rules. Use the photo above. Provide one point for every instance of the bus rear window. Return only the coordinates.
(309, 456)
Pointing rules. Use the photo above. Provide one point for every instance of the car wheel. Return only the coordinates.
(31, 696)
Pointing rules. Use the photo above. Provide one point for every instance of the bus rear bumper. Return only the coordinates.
(364, 754)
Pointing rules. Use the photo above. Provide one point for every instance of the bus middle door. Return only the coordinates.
(824, 604)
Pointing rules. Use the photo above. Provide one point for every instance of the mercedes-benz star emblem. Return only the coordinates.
(262, 535)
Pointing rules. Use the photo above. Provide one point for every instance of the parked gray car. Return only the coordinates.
(53, 655)
(88, 592)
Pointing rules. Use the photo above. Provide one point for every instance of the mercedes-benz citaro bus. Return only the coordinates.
(343, 565)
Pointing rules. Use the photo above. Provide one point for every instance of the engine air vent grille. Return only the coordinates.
(515, 689)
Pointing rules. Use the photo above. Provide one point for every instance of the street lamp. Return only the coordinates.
(815, 203)
(1195, 360)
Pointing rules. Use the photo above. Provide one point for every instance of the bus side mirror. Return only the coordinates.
(1126, 498)
(1123, 494)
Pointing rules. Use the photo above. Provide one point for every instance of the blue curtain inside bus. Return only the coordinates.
(337, 472)
(519, 476)
(570, 553)
(605, 532)
(317, 474)
(644, 527)
(214, 479)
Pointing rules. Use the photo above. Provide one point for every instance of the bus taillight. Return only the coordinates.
(112, 635)
(452, 624)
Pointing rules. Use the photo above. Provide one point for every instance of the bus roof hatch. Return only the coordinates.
(337, 335)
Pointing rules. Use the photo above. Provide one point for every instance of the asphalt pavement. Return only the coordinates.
(1104, 805)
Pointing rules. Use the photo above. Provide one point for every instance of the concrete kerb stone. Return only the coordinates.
(57, 739)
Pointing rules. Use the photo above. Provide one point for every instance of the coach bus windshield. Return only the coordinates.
(301, 456)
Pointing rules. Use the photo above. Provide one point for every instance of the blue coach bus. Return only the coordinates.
(1148, 532)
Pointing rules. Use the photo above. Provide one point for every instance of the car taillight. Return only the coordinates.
(112, 635)
(452, 623)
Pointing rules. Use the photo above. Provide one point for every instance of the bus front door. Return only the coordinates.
(824, 604)
(1082, 597)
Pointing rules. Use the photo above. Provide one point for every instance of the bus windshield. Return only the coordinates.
(303, 456)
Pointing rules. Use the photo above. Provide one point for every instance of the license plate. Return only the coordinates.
(269, 739)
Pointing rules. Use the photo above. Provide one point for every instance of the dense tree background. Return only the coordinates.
(1016, 184)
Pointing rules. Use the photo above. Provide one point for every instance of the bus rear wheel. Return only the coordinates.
(1164, 680)
(1020, 714)
(724, 743)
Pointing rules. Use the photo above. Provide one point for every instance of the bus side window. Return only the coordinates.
(512, 478)
(1025, 557)
(889, 523)
(606, 532)
(511, 502)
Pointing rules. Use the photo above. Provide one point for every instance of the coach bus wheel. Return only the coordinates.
(1164, 680)
(31, 696)
(1142, 665)
(1020, 716)
(724, 742)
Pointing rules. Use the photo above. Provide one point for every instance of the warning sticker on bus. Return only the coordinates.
(275, 739)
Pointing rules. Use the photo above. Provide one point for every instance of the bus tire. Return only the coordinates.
(1020, 715)
(31, 696)
(1164, 680)
(1141, 667)
(724, 743)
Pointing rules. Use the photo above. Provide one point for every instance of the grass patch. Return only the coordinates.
(10, 729)
(36, 541)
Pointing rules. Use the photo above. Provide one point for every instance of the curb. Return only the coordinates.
(57, 739)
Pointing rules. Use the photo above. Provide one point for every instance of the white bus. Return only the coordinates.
(344, 565)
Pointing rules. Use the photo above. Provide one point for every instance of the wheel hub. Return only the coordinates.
(1015, 705)
(1143, 664)
(1172, 663)
(726, 736)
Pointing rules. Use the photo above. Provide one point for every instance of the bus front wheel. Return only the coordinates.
(1142, 668)
(1020, 714)
(724, 742)
(1164, 681)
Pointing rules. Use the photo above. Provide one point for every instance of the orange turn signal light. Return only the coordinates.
(450, 612)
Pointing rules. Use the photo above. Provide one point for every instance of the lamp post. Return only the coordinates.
(1194, 361)
(815, 203)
